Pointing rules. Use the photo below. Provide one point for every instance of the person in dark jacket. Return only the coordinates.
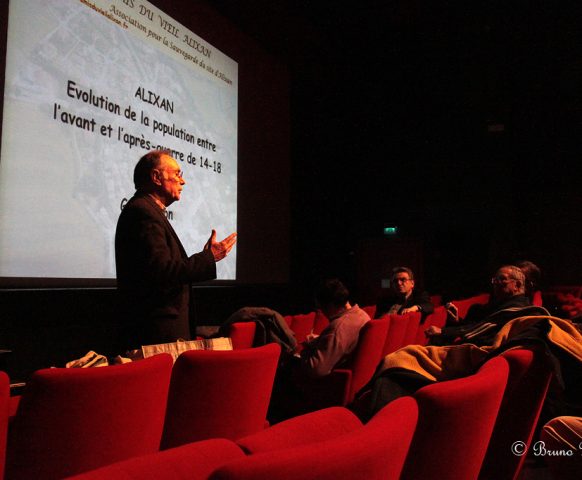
(400, 373)
(508, 300)
(403, 297)
(154, 271)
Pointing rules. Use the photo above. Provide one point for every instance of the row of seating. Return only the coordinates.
(73, 420)
(377, 339)
(402, 329)
(327, 444)
(459, 429)
(195, 393)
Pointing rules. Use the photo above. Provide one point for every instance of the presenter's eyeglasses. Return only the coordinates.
(176, 174)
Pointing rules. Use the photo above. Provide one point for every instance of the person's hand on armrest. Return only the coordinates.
(414, 308)
(432, 331)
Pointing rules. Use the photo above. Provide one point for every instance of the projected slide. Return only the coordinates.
(90, 87)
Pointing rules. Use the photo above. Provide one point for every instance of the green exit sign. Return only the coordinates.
(390, 231)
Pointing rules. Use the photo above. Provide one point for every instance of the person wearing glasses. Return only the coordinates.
(154, 271)
(454, 352)
(403, 297)
(508, 301)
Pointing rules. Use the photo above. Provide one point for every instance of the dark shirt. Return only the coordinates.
(421, 299)
(484, 321)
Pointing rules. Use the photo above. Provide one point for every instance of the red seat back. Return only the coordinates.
(438, 318)
(302, 325)
(436, 300)
(194, 461)
(370, 310)
(396, 333)
(463, 305)
(74, 420)
(456, 415)
(412, 326)
(219, 394)
(537, 299)
(375, 451)
(529, 378)
(242, 334)
(310, 428)
(367, 354)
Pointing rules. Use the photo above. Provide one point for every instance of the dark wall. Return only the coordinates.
(460, 122)
(45, 328)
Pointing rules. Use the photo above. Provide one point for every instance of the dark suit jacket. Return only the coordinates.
(422, 299)
(154, 274)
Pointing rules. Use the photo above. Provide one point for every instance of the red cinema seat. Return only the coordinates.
(464, 305)
(74, 420)
(194, 461)
(455, 422)
(537, 300)
(396, 333)
(4, 411)
(412, 326)
(306, 429)
(366, 356)
(373, 452)
(436, 300)
(219, 394)
(340, 386)
(529, 378)
(370, 310)
(438, 318)
(305, 324)
(242, 334)
(322, 445)
(302, 325)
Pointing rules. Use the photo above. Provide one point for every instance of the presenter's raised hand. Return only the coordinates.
(220, 249)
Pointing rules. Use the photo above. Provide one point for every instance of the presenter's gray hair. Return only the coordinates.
(144, 167)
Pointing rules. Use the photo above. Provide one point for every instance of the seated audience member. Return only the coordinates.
(338, 340)
(458, 351)
(508, 301)
(533, 275)
(403, 297)
(297, 375)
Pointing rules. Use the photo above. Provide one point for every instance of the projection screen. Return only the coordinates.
(92, 85)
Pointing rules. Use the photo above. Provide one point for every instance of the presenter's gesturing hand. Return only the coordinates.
(220, 249)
